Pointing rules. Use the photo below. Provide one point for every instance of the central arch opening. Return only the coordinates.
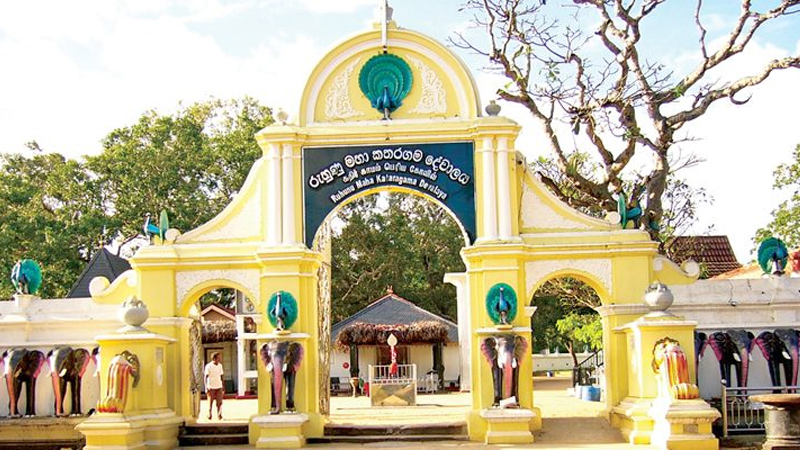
(386, 253)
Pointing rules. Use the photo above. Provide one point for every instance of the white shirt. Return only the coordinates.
(213, 373)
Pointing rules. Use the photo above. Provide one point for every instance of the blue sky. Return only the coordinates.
(70, 72)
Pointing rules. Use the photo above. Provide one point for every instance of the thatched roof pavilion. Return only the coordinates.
(393, 314)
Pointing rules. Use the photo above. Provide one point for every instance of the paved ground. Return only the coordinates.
(568, 423)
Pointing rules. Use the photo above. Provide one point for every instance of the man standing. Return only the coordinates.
(213, 381)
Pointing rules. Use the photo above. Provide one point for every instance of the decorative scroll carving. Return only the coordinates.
(600, 268)
(186, 281)
(323, 245)
(196, 371)
(434, 97)
(337, 103)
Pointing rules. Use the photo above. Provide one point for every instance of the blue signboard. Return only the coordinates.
(445, 172)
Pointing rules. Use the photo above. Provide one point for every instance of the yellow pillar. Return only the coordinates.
(146, 422)
(488, 265)
(291, 269)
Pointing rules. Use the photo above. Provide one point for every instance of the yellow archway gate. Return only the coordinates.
(520, 236)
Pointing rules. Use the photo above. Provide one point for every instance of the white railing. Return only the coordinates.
(383, 374)
(393, 388)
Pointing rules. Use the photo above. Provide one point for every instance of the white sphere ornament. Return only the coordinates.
(658, 298)
(133, 313)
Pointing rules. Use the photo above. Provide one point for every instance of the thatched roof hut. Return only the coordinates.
(359, 333)
(219, 331)
(393, 314)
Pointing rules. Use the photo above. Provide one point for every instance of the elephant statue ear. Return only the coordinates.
(520, 347)
(294, 355)
(489, 349)
(263, 351)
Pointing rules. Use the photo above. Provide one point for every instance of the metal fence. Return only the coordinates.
(740, 414)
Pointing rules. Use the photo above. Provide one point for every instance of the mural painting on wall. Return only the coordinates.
(442, 171)
(123, 367)
(22, 366)
(781, 349)
(672, 369)
(732, 349)
(282, 361)
(503, 352)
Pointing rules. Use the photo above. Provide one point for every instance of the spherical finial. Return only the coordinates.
(658, 298)
(492, 109)
(133, 313)
(282, 116)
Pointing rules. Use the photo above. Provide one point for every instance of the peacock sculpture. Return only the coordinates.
(501, 304)
(26, 277)
(150, 229)
(282, 310)
(773, 256)
(385, 80)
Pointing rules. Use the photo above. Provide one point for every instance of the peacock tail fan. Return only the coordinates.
(770, 249)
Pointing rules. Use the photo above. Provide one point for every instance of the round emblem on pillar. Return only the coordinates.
(501, 304)
(282, 310)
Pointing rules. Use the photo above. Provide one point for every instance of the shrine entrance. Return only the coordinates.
(391, 109)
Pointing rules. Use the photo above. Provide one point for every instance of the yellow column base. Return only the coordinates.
(683, 425)
(508, 426)
(633, 420)
(278, 431)
(151, 430)
(112, 430)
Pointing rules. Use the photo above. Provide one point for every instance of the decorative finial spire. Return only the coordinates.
(389, 289)
(385, 17)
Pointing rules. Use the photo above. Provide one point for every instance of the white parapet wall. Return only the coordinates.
(755, 305)
(45, 324)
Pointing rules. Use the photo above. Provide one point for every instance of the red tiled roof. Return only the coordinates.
(713, 253)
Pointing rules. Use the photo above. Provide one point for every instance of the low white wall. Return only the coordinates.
(543, 362)
(46, 324)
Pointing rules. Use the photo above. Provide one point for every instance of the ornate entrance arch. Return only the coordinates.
(520, 234)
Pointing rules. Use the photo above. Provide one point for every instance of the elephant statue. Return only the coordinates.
(503, 352)
(733, 349)
(700, 344)
(672, 368)
(791, 340)
(777, 355)
(282, 360)
(22, 366)
(67, 367)
(123, 366)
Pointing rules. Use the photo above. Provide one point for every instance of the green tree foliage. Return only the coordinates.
(565, 317)
(58, 211)
(190, 163)
(50, 212)
(395, 240)
(785, 222)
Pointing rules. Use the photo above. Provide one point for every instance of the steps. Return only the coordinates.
(213, 434)
(398, 433)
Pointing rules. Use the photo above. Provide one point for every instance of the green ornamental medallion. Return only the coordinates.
(501, 304)
(282, 310)
(386, 80)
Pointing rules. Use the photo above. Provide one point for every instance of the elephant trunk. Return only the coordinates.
(795, 363)
(508, 374)
(57, 392)
(277, 382)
